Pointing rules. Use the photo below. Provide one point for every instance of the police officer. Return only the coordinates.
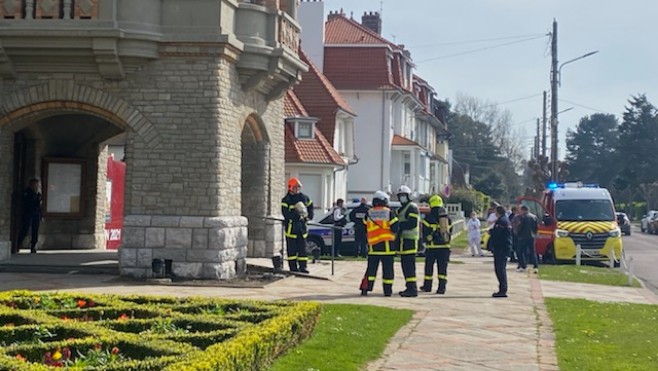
(31, 216)
(501, 243)
(297, 209)
(381, 225)
(408, 236)
(437, 229)
(360, 236)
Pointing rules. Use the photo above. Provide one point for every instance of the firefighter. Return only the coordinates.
(297, 209)
(381, 226)
(408, 236)
(437, 229)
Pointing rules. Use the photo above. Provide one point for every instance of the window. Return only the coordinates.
(305, 130)
(407, 163)
(64, 185)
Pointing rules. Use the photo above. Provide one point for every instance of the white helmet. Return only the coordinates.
(404, 189)
(380, 195)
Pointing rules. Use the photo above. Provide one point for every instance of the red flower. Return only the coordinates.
(66, 353)
(123, 317)
(90, 303)
(115, 350)
(97, 347)
(81, 303)
(21, 358)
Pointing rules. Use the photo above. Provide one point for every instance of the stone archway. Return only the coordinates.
(24, 117)
(256, 195)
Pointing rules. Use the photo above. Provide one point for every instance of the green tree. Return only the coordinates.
(591, 149)
(638, 135)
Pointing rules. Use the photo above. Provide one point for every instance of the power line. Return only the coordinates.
(475, 41)
(481, 49)
(583, 106)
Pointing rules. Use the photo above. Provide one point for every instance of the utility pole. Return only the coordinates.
(554, 81)
(537, 141)
(543, 135)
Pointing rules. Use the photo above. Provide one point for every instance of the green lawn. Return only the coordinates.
(460, 241)
(604, 336)
(585, 274)
(346, 337)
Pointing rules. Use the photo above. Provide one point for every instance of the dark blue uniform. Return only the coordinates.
(31, 218)
(296, 229)
(501, 244)
(360, 236)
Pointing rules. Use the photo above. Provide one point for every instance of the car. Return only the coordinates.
(320, 231)
(652, 228)
(624, 223)
(646, 220)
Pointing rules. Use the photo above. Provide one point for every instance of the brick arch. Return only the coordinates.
(58, 96)
(257, 127)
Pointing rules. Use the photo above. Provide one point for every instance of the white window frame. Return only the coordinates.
(298, 130)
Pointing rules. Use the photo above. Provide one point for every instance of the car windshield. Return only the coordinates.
(584, 210)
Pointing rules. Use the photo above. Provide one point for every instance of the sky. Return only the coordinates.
(512, 67)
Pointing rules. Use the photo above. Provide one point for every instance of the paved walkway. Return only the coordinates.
(465, 329)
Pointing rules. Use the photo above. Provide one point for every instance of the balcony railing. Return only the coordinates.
(49, 9)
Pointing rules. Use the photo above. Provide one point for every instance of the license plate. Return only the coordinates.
(591, 252)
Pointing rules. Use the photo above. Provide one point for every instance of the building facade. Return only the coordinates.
(195, 87)
(398, 137)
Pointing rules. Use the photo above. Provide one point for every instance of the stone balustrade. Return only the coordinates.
(49, 9)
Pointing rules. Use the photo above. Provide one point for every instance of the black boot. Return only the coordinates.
(442, 287)
(293, 265)
(302, 267)
(388, 289)
(411, 291)
(427, 286)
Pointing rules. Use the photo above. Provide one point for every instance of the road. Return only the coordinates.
(643, 248)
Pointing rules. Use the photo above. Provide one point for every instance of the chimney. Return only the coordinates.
(335, 14)
(311, 18)
(373, 21)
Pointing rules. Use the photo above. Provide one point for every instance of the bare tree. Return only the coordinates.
(505, 137)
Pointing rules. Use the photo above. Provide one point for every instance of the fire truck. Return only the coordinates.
(573, 214)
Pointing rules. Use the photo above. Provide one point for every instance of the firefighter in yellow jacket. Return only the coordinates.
(408, 236)
(437, 230)
(381, 226)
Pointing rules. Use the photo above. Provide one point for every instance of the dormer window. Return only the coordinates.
(304, 129)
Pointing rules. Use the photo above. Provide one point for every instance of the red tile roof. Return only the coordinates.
(341, 30)
(321, 99)
(312, 151)
(402, 141)
(356, 58)
(292, 107)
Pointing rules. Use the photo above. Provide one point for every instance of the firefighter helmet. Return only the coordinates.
(436, 201)
(293, 182)
(380, 195)
(404, 189)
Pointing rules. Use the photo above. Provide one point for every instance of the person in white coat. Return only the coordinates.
(473, 230)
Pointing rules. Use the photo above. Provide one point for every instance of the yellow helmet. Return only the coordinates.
(436, 201)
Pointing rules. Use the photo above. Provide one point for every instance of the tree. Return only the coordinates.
(485, 140)
(638, 135)
(592, 148)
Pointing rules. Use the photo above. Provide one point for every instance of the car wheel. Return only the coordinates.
(314, 246)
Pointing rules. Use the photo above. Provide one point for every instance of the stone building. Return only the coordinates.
(192, 88)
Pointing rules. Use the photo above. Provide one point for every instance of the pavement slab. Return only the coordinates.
(465, 329)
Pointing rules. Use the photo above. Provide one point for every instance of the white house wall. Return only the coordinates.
(373, 135)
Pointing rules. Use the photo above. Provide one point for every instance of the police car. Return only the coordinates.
(320, 231)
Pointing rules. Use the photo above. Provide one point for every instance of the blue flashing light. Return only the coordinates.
(552, 185)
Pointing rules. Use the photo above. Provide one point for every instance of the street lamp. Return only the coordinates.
(559, 70)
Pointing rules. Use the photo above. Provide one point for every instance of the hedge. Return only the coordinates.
(148, 332)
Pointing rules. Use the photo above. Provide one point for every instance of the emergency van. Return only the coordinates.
(574, 214)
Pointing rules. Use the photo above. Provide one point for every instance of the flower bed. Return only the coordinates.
(104, 332)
